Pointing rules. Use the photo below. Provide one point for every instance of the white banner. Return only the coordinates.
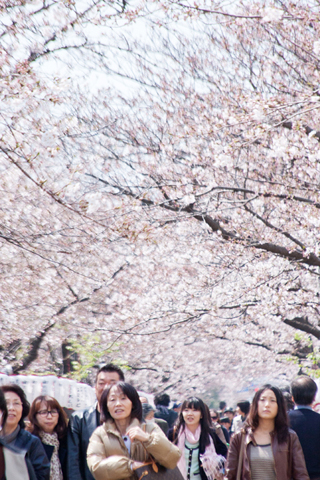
(69, 393)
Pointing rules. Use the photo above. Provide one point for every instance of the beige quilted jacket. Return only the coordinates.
(108, 457)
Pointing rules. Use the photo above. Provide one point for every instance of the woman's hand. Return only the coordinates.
(136, 433)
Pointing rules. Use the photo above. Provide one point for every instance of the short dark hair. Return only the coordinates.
(303, 390)
(281, 420)
(222, 405)
(60, 428)
(162, 399)
(130, 392)
(3, 408)
(111, 367)
(244, 406)
(25, 404)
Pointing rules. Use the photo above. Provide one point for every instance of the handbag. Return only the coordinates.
(154, 471)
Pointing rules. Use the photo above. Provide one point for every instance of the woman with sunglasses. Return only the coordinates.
(14, 434)
(220, 430)
(48, 421)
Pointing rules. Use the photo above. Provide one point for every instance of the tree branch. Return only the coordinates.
(215, 226)
(303, 324)
(33, 349)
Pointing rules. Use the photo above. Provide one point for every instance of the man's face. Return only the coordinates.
(105, 379)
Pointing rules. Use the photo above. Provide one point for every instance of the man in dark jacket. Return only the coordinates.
(162, 402)
(306, 423)
(83, 423)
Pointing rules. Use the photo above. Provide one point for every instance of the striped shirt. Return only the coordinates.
(261, 462)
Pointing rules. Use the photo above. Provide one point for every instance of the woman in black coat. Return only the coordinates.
(48, 421)
(203, 453)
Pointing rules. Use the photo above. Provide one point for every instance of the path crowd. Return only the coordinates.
(276, 437)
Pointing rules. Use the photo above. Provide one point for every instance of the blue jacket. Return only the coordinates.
(35, 455)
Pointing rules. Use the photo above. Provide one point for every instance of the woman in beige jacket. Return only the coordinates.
(120, 444)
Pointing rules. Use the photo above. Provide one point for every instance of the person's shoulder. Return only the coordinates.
(107, 427)
(293, 434)
(213, 431)
(238, 436)
(27, 439)
(25, 435)
(84, 412)
(101, 430)
(151, 427)
(304, 412)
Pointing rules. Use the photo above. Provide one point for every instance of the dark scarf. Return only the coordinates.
(11, 436)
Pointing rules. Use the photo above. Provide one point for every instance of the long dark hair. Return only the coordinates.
(51, 403)
(3, 409)
(206, 428)
(281, 428)
(25, 404)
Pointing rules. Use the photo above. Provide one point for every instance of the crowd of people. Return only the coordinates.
(276, 437)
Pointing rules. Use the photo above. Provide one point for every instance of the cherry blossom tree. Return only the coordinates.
(167, 209)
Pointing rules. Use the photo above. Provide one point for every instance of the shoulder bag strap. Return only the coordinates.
(147, 454)
(240, 459)
(174, 433)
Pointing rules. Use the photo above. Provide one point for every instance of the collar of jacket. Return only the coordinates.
(110, 427)
(249, 438)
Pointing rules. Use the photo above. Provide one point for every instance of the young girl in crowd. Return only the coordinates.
(265, 448)
(198, 442)
(48, 421)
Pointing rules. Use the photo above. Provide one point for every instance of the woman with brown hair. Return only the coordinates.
(48, 421)
(265, 448)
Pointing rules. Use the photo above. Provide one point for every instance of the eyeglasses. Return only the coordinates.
(14, 405)
(45, 413)
(214, 418)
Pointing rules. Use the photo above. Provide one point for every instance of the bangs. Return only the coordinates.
(192, 402)
(50, 402)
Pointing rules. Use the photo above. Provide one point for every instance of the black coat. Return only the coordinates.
(62, 454)
(165, 413)
(306, 424)
(81, 426)
(220, 447)
(36, 457)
